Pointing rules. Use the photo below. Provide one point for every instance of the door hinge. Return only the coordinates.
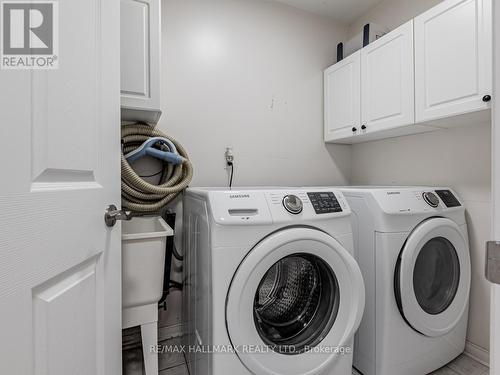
(493, 261)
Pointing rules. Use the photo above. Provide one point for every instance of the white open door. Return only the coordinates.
(495, 289)
(60, 286)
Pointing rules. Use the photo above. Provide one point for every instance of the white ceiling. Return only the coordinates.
(345, 11)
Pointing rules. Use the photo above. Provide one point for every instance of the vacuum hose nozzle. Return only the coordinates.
(138, 195)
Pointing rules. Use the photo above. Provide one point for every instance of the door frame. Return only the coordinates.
(495, 192)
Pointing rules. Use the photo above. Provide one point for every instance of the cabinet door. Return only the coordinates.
(453, 59)
(140, 54)
(342, 98)
(387, 81)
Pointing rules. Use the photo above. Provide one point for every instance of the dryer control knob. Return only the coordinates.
(293, 204)
(431, 199)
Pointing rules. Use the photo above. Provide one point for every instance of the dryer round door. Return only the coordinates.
(294, 303)
(432, 279)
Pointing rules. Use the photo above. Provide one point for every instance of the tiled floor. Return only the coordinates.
(168, 363)
(463, 365)
(175, 364)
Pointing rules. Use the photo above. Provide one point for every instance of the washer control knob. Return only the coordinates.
(431, 199)
(293, 204)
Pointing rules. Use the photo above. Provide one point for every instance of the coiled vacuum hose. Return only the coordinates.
(138, 195)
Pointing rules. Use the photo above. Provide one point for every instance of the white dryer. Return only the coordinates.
(412, 247)
(270, 275)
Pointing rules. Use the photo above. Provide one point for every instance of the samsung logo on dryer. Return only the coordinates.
(393, 192)
(239, 196)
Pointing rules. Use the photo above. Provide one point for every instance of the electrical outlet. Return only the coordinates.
(228, 155)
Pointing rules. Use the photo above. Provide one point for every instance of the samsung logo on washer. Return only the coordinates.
(393, 192)
(239, 196)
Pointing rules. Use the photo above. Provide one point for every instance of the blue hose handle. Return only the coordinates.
(169, 157)
(147, 149)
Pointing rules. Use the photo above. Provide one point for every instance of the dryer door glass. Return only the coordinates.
(436, 275)
(296, 303)
(432, 277)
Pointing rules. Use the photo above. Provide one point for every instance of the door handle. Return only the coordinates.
(493, 261)
(113, 214)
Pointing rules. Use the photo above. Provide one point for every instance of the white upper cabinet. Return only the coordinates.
(453, 53)
(342, 98)
(387, 81)
(432, 72)
(140, 59)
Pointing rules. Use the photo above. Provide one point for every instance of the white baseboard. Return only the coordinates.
(165, 333)
(477, 353)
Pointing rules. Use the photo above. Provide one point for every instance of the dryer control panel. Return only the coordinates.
(411, 200)
(448, 198)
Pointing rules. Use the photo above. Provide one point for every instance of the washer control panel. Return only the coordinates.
(324, 202)
(293, 204)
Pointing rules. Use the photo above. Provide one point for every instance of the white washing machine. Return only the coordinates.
(412, 247)
(270, 275)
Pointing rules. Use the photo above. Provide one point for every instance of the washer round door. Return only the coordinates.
(432, 280)
(294, 303)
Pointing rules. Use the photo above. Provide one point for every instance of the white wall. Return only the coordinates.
(459, 158)
(249, 74)
(392, 13)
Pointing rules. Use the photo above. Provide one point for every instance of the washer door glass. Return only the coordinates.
(296, 303)
(436, 275)
(296, 298)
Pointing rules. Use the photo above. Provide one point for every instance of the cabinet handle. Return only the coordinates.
(486, 98)
(354, 129)
(363, 127)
